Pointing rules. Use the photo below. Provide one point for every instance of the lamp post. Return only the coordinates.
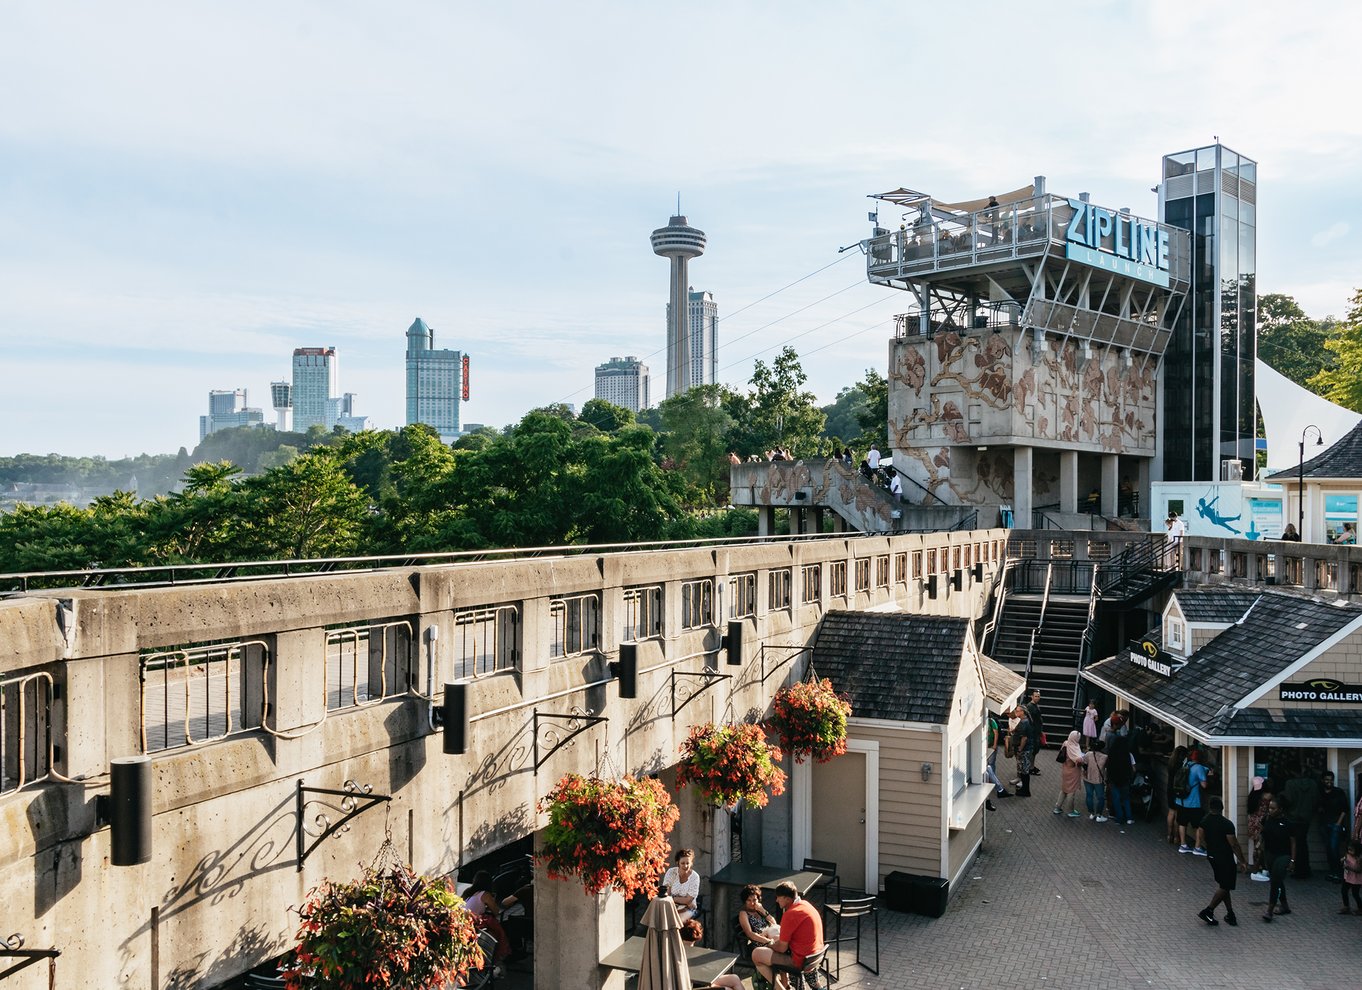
(1300, 479)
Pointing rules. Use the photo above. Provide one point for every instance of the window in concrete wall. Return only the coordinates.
(1194, 559)
(837, 578)
(778, 589)
(697, 604)
(1354, 579)
(26, 741)
(956, 558)
(367, 662)
(1293, 570)
(194, 694)
(931, 561)
(742, 595)
(1214, 564)
(1267, 567)
(900, 568)
(1326, 575)
(882, 571)
(486, 640)
(863, 574)
(917, 565)
(576, 624)
(1099, 550)
(643, 612)
(1238, 565)
(811, 584)
(1062, 549)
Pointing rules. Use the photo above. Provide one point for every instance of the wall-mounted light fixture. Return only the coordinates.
(733, 642)
(130, 811)
(625, 670)
(454, 715)
(926, 772)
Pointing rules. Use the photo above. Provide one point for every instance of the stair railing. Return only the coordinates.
(1089, 633)
(1031, 652)
(991, 627)
(1045, 598)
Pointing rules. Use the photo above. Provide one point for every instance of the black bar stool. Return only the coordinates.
(857, 908)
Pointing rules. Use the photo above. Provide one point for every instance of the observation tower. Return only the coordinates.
(679, 242)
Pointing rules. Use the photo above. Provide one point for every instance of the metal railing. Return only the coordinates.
(27, 743)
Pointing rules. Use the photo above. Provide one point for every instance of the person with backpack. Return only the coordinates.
(1188, 785)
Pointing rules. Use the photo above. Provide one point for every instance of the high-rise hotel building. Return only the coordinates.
(624, 382)
(436, 382)
(316, 376)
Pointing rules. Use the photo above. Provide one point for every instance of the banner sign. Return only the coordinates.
(1117, 242)
(1322, 689)
(1148, 656)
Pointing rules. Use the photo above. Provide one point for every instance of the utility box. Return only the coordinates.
(898, 892)
(929, 895)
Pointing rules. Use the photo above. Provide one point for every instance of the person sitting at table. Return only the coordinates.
(691, 934)
(486, 908)
(801, 935)
(754, 919)
(682, 884)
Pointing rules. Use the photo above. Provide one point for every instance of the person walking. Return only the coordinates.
(1301, 795)
(1032, 706)
(1021, 749)
(1189, 788)
(1120, 770)
(1216, 835)
(1095, 780)
(1352, 876)
(1279, 848)
(1333, 822)
(1175, 763)
(1070, 776)
(1257, 810)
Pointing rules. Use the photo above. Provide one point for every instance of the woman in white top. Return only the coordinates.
(682, 884)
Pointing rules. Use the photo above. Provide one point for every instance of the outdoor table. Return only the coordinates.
(706, 965)
(734, 876)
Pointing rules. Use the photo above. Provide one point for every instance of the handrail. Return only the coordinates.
(1045, 599)
(966, 522)
(991, 626)
(1030, 652)
(927, 490)
(1085, 644)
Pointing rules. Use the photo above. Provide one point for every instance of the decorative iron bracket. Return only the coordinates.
(13, 948)
(572, 723)
(709, 675)
(792, 652)
(355, 799)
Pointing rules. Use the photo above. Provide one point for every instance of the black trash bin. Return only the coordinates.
(929, 895)
(898, 892)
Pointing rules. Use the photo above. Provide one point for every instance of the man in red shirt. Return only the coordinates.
(801, 935)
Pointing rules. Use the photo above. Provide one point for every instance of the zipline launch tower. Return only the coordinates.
(679, 242)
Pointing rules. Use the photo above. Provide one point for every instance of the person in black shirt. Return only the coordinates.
(1279, 855)
(1032, 706)
(1333, 823)
(1215, 834)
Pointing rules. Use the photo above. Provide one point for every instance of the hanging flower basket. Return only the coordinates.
(391, 928)
(608, 834)
(731, 763)
(810, 719)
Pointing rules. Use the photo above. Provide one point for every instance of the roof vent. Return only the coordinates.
(1301, 625)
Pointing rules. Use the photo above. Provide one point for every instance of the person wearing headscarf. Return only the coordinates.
(1070, 776)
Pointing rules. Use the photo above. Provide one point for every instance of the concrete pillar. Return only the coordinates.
(1142, 476)
(1111, 484)
(1022, 461)
(573, 930)
(766, 520)
(1068, 481)
(818, 519)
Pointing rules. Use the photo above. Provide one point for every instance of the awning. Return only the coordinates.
(911, 197)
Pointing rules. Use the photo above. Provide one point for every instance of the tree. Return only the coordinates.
(606, 416)
(307, 508)
(843, 422)
(874, 416)
(776, 413)
(1342, 382)
(695, 439)
(1290, 341)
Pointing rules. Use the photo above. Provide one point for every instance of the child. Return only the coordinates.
(1352, 877)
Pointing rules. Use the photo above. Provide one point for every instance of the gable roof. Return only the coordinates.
(1000, 684)
(1277, 631)
(892, 665)
(1216, 605)
(1342, 460)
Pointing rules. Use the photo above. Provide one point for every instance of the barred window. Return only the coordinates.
(26, 741)
(643, 612)
(917, 564)
(811, 579)
(486, 640)
(1099, 550)
(742, 595)
(1293, 572)
(931, 561)
(576, 624)
(837, 578)
(969, 558)
(367, 662)
(955, 559)
(1239, 565)
(1213, 564)
(778, 589)
(1326, 574)
(882, 571)
(195, 694)
(863, 574)
(697, 604)
(1062, 549)
(901, 568)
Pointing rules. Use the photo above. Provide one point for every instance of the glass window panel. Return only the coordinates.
(1248, 213)
(1179, 164)
(1248, 171)
(1205, 159)
(1229, 207)
(1229, 161)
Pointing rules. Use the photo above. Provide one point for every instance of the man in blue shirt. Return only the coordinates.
(1189, 805)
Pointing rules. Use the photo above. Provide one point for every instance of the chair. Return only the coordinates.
(855, 908)
(486, 976)
(830, 877)
(813, 975)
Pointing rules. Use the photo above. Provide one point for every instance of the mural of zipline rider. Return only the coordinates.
(1242, 510)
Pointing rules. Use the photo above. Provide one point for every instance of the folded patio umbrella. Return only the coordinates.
(664, 954)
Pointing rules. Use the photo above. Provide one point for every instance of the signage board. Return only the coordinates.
(1117, 242)
(1147, 655)
(1321, 690)
(465, 378)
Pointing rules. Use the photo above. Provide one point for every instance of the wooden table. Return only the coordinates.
(706, 965)
(724, 885)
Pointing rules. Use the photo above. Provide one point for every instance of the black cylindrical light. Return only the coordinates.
(130, 811)
(734, 643)
(454, 716)
(627, 670)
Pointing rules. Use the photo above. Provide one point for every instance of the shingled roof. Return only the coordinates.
(1277, 631)
(893, 665)
(1343, 460)
(1216, 604)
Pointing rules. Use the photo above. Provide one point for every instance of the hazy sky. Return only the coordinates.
(189, 190)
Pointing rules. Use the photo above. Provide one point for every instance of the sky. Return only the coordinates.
(190, 190)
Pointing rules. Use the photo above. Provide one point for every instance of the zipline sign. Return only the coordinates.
(1117, 242)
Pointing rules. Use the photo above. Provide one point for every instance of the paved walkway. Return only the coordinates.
(1067, 904)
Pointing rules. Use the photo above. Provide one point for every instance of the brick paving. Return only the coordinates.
(1068, 904)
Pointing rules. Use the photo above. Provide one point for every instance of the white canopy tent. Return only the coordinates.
(1287, 410)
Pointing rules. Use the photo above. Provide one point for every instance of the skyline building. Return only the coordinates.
(227, 408)
(624, 382)
(436, 382)
(679, 243)
(281, 398)
(1208, 412)
(703, 319)
(314, 395)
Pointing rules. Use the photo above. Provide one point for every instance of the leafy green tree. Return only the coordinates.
(842, 422)
(695, 439)
(307, 508)
(874, 415)
(1291, 342)
(777, 412)
(1342, 382)
(606, 416)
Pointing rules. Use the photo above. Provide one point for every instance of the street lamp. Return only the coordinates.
(1300, 479)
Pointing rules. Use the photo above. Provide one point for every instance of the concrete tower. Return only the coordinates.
(680, 242)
